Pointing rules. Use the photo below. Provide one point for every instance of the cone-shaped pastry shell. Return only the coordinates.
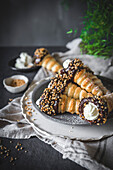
(43, 58)
(83, 76)
(62, 83)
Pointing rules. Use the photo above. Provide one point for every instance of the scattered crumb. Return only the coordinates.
(11, 159)
(33, 119)
(1, 147)
(29, 102)
(10, 99)
(21, 148)
(26, 98)
(29, 105)
(29, 109)
(6, 153)
(29, 113)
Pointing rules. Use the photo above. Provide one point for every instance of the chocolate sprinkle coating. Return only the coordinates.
(60, 81)
(39, 55)
(76, 65)
(51, 96)
(49, 101)
(102, 108)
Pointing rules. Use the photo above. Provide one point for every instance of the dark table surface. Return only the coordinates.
(35, 154)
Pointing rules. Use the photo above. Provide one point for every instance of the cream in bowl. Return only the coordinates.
(16, 83)
(24, 61)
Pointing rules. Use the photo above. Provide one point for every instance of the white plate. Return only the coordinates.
(45, 125)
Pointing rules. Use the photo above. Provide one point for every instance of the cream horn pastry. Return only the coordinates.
(43, 58)
(83, 76)
(63, 84)
(99, 83)
(93, 77)
(96, 109)
(52, 103)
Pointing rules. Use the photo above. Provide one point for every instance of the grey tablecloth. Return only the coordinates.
(91, 155)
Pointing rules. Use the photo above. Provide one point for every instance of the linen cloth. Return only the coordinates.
(91, 155)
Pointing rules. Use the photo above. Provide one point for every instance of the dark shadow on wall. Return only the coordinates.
(39, 22)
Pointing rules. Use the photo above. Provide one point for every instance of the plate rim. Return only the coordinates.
(44, 131)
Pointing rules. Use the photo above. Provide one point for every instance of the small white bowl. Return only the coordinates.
(7, 82)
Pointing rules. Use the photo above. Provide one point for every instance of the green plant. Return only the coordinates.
(66, 4)
(97, 33)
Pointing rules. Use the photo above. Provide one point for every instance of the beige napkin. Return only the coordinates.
(91, 155)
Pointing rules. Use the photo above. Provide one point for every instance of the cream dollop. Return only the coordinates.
(23, 61)
(66, 63)
(91, 111)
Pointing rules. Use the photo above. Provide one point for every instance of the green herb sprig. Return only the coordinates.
(97, 33)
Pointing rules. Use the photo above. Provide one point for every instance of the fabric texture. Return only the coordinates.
(91, 155)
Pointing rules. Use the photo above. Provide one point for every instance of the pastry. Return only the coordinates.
(51, 102)
(93, 77)
(96, 109)
(63, 84)
(43, 58)
(84, 77)
(99, 83)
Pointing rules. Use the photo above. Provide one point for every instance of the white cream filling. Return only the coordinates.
(66, 63)
(91, 111)
(23, 61)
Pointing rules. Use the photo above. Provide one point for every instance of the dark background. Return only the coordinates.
(39, 22)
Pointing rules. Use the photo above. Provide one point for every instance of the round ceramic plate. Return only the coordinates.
(63, 127)
(12, 62)
(71, 119)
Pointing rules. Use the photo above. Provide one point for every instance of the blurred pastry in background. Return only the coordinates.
(44, 59)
